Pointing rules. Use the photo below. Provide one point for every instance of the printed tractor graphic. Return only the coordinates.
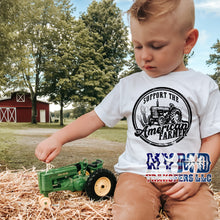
(163, 115)
(97, 182)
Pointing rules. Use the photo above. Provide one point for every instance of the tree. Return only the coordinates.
(30, 27)
(9, 15)
(131, 65)
(60, 80)
(52, 54)
(109, 37)
(39, 17)
(187, 57)
(79, 70)
(71, 56)
(214, 59)
(35, 32)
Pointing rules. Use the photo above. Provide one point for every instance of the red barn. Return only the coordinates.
(18, 108)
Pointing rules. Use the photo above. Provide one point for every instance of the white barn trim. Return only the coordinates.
(8, 114)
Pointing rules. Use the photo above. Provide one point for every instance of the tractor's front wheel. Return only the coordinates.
(100, 184)
(44, 201)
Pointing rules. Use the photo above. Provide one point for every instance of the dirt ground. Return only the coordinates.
(89, 148)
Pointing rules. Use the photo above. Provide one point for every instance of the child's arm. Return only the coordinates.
(184, 190)
(48, 149)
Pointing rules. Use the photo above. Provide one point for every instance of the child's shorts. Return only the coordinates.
(137, 199)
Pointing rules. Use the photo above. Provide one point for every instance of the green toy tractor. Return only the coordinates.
(97, 182)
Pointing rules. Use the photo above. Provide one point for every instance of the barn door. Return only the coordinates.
(7, 114)
(42, 115)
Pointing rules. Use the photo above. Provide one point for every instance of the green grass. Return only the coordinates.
(15, 126)
(12, 153)
(7, 140)
(118, 133)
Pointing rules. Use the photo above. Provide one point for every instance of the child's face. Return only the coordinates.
(158, 46)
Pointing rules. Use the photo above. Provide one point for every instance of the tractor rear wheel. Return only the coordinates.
(176, 116)
(100, 184)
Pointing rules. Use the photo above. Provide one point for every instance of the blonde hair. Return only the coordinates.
(143, 10)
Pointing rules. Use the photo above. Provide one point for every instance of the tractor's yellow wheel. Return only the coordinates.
(102, 186)
(44, 202)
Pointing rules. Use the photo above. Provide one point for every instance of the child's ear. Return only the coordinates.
(191, 39)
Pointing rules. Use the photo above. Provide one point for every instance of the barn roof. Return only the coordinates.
(5, 98)
(10, 97)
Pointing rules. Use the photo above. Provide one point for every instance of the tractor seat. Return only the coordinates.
(95, 163)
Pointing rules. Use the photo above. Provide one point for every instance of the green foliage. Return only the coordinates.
(89, 56)
(216, 77)
(45, 49)
(109, 36)
(214, 59)
(9, 15)
(36, 32)
(131, 63)
(32, 31)
(81, 108)
(187, 57)
(60, 63)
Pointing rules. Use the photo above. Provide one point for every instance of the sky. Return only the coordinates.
(207, 22)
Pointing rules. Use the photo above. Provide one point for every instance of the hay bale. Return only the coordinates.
(19, 195)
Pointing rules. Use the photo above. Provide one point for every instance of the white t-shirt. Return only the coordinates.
(166, 116)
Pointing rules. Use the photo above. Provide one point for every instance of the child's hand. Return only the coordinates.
(183, 190)
(48, 149)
